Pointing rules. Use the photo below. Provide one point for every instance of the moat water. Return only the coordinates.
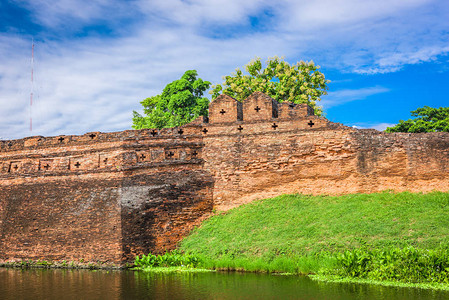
(83, 284)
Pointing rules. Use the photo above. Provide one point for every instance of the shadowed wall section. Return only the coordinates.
(161, 208)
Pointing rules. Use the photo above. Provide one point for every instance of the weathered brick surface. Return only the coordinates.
(111, 196)
(159, 209)
(101, 196)
(68, 221)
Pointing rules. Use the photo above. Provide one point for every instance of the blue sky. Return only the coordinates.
(96, 59)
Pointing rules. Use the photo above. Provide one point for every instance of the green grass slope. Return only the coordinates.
(289, 233)
(309, 224)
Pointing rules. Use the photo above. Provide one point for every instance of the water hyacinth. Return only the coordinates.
(409, 264)
(174, 258)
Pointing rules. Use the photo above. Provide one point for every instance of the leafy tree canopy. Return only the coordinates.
(180, 102)
(299, 83)
(428, 119)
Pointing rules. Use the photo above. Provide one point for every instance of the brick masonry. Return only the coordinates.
(110, 196)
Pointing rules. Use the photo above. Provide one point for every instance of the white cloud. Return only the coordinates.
(347, 95)
(197, 12)
(66, 13)
(377, 126)
(378, 36)
(382, 126)
(324, 13)
(393, 62)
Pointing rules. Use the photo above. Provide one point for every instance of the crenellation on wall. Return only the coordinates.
(259, 106)
(32, 142)
(288, 110)
(225, 109)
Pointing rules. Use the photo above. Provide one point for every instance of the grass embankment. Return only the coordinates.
(384, 236)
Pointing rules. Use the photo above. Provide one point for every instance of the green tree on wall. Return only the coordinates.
(298, 83)
(180, 102)
(428, 119)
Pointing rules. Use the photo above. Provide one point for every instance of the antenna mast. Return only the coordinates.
(32, 85)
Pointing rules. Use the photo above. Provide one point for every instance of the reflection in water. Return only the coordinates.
(59, 284)
(82, 284)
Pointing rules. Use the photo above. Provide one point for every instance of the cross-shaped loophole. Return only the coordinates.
(310, 123)
(61, 139)
(92, 136)
(240, 128)
(154, 132)
(142, 157)
(170, 154)
(16, 167)
(257, 108)
(194, 153)
(46, 167)
(205, 130)
(180, 131)
(222, 111)
(274, 126)
(77, 164)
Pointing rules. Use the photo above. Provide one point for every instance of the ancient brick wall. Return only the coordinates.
(277, 148)
(111, 196)
(101, 196)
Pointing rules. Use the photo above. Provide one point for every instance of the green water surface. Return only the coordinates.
(84, 284)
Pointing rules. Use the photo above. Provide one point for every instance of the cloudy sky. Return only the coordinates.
(94, 60)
